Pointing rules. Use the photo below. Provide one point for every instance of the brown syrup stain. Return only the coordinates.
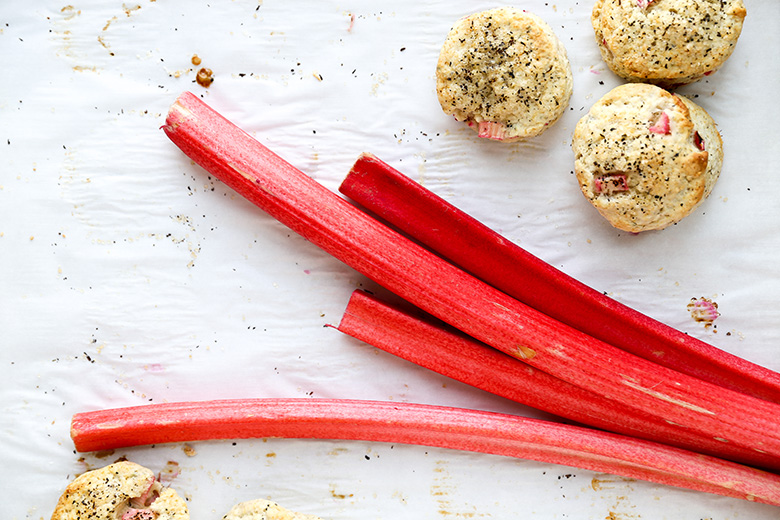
(443, 489)
(128, 10)
(622, 506)
(340, 496)
(189, 450)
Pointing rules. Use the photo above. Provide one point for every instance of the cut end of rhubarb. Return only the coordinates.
(177, 113)
(492, 130)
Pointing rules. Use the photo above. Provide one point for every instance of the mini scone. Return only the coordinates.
(644, 159)
(120, 491)
(264, 510)
(505, 73)
(666, 42)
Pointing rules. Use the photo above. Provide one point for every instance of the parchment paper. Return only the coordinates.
(129, 276)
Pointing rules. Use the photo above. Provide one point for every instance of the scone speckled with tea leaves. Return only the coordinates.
(644, 159)
(666, 42)
(264, 510)
(505, 73)
(123, 490)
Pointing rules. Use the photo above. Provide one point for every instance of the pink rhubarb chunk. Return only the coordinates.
(698, 141)
(662, 125)
(609, 184)
(138, 514)
(492, 130)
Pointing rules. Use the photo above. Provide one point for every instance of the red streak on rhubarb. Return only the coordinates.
(447, 292)
(420, 338)
(481, 251)
(424, 425)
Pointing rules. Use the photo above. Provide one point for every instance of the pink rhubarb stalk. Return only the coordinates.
(481, 251)
(423, 425)
(418, 337)
(452, 295)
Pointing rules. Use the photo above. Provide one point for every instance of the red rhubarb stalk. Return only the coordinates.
(423, 425)
(425, 341)
(484, 253)
(452, 295)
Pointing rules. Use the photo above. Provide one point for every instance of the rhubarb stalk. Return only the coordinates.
(452, 295)
(425, 341)
(424, 425)
(487, 255)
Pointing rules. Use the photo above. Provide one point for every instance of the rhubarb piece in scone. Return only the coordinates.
(264, 510)
(120, 491)
(706, 137)
(504, 73)
(645, 158)
(666, 42)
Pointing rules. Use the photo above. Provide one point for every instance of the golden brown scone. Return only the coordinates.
(264, 510)
(120, 491)
(666, 42)
(505, 73)
(641, 158)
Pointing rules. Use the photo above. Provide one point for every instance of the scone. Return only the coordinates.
(505, 73)
(264, 510)
(123, 490)
(666, 42)
(644, 159)
(707, 138)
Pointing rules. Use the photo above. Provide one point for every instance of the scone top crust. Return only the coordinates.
(120, 490)
(506, 71)
(666, 42)
(638, 159)
(261, 509)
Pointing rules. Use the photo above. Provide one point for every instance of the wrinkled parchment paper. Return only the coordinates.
(129, 276)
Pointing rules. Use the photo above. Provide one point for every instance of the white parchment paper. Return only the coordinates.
(129, 276)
